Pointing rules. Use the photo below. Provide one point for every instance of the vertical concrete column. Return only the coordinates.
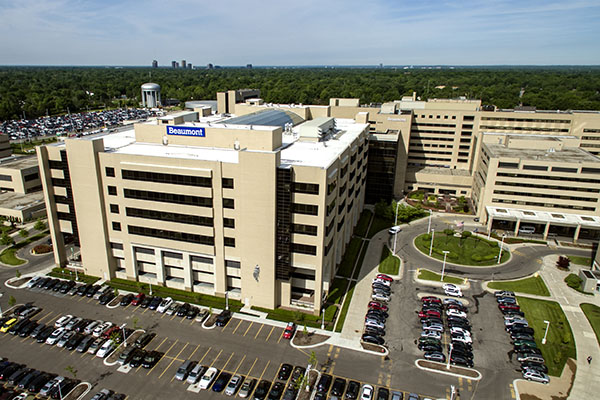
(546, 230)
(134, 269)
(489, 224)
(160, 268)
(517, 225)
(187, 271)
(576, 236)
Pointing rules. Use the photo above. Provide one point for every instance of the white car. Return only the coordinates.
(106, 348)
(456, 329)
(395, 229)
(65, 338)
(33, 281)
(380, 297)
(91, 326)
(62, 321)
(374, 323)
(451, 286)
(428, 333)
(453, 292)
(164, 305)
(511, 322)
(461, 338)
(382, 281)
(72, 323)
(456, 313)
(433, 327)
(536, 376)
(233, 385)
(55, 336)
(208, 377)
(99, 330)
(366, 393)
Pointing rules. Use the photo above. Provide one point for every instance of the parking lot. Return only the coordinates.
(245, 347)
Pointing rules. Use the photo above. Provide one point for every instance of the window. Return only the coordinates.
(116, 246)
(171, 254)
(227, 183)
(168, 198)
(508, 165)
(6, 178)
(344, 170)
(536, 167)
(307, 188)
(229, 241)
(202, 260)
(116, 226)
(169, 216)
(306, 209)
(328, 247)
(112, 190)
(304, 229)
(564, 169)
(228, 203)
(229, 223)
(143, 250)
(469, 118)
(233, 264)
(587, 170)
(186, 180)
(171, 235)
(330, 227)
(331, 187)
(31, 177)
(110, 171)
(304, 249)
(114, 208)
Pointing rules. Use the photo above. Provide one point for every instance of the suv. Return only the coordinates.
(537, 376)
(164, 305)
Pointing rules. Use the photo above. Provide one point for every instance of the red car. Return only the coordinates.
(375, 305)
(110, 331)
(138, 299)
(289, 330)
(509, 307)
(431, 299)
(385, 277)
(429, 313)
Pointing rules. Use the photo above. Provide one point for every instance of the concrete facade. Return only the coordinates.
(21, 198)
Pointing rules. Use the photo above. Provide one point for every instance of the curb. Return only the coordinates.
(89, 387)
(462, 286)
(8, 284)
(446, 372)
(117, 348)
(213, 326)
(517, 396)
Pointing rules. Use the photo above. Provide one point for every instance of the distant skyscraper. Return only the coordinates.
(183, 64)
(189, 65)
(154, 64)
(248, 65)
(174, 64)
(209, 66)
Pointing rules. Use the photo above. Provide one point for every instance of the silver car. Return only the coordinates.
(233, 384)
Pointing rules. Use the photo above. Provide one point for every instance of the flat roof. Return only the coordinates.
(439, 171)
(20, 201)
(567, 154)
(19, 162)
(175, 151)
(533, 216)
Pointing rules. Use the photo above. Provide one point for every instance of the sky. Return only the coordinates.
(304, 32)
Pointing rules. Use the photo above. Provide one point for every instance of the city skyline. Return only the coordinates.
(64, 32)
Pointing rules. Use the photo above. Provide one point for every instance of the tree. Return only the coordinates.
(39, 225)
(23, 233)
(116, 292)
(18, 274)
(312, 360)
(12, 301)
(6, 239)
(305, 331)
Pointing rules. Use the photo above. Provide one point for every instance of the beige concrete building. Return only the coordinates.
(259, 206)
(21, 197)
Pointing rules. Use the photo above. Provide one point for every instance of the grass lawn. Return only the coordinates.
(581, 260)
(592, 313)
(388, 264)
(363, 223)
(299, 317)
(432, 276)
(345, 268)
(337, 290)
(9, 256)
(531, 285)
(464, 251)
(64, 274)
(560, 344)
(342, 317)
(574, 282)
(379, 224)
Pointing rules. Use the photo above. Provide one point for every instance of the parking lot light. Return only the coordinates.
(429, 223)
(449, 356)
(546, 333)
(431, 245)
(501, 247)
(444, 265)
(323, 318)
(124, 336)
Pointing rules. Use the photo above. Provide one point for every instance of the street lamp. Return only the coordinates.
(323, 318)
(431, 245)
(1, 294)
(226, 300)
(124, 336)
(396, 224)
(449, 356)
(501, 247)
(150, 288)
(444, 265)
(429, 223)
(546, 333)
(396, 219)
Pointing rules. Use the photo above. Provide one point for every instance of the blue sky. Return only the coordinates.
(305, 32)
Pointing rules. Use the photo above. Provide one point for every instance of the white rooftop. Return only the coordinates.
(174, 151)
(558, 218)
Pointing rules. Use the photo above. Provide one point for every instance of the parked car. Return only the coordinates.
(56, 336)
(62, 321)
(155, 302)
(431, 334)
(106, 348)
(366, 393)
(223, 318)
(375, 305)
(284, 371)
(85, 343)
(383, 393)
(137, 300)
(137, 358)
(192, 313)
(143, 340)
(463, 362)
(536, 376)
(324, 383)
(289, 330)
(202, 315)
(173, 309)
(371, 330)
(530, 357)
(247, 388)
(380, 297)
(435, 356)
(504, 293)
(352, 390)
(183, 309)
(373, 339)
(456, 292)
(455, 313)
(127, 299)
(338, 387)
(262, 389)
(395, 229)
(164, 305)
(451, 301)
(208, 378)
(431, 299)
(196, 373)
(233, 385)
(151, 358)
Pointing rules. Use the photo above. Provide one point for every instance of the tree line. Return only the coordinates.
(37, 91)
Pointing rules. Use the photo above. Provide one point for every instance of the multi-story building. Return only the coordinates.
(21, 196)
(5, 150)
(260, 206)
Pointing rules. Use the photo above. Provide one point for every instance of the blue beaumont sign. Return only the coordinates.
(185, 131)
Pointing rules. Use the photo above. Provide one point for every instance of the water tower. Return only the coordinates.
(150, 95)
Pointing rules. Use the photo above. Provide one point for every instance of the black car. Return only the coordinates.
(462, 353)
(337, 389)
(91, 291)
(383, 394)
(324, 383)
(373, 339)
(42, 282)
(43, 335)
(14, 330)
(376, 317)
(22, 308)
(9, 370)
(371, 330)
(284, 372)
(521, 330)
(127, 299)
(143, 340)
(74, 341)
(432, 320)
(429, 347)
(80, 326)
(155, 302)
(146, 302)
(352, 391)
(85, 343)
(459, 325)
(27, 379)
(276, 391)
(83, 289)
(37, 330)
(378, 312)
(526, 365)
(38, 383)
(150, 359)
(458, 320)
(192, 312)
(297, 373)
(65, 387)
(137, 358)
(223, 318)
(66, 286)
(461, 346)
(27, 329)
(463, 362)
(515, 313)
(50, 283)
(106, 297)
(522, 336)
(526, 349)
(17, 375)
(183, 310)
(262, 389)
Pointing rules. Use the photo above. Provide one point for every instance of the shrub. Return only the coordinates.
(563, 263)
(42, 249)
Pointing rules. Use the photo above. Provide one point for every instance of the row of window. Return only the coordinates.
(545, 195)
(165, 197)
(173, 179)
(522, 128)
(540, 121)
(545, 205)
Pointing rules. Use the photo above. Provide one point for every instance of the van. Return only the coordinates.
(196, 373)
(527, 229)
(184, 370)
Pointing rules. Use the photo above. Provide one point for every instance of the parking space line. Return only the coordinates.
(152, 369)
(145, 309)
(45, 316)
(174, 315)
(238, 325)
(200, 362)
(249, 326)
(239, 365)
(261, 375)
(194, 352)
(164, 340)
(229, 359)
(270, 333)
(250, 370)
(163, 315)
(259, 329)
(226, 325)
(172, 361)
(216, 358)
(280, 337)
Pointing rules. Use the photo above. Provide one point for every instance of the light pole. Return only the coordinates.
(396, 224)
(429, 223)
(124, 337)
(449, 356)
(1, 294)
(323, 318)
(226, 300)
(150, 289)
(396, 219)
(431, 245)
(546, 333)
(501, 247)
(444, 265)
